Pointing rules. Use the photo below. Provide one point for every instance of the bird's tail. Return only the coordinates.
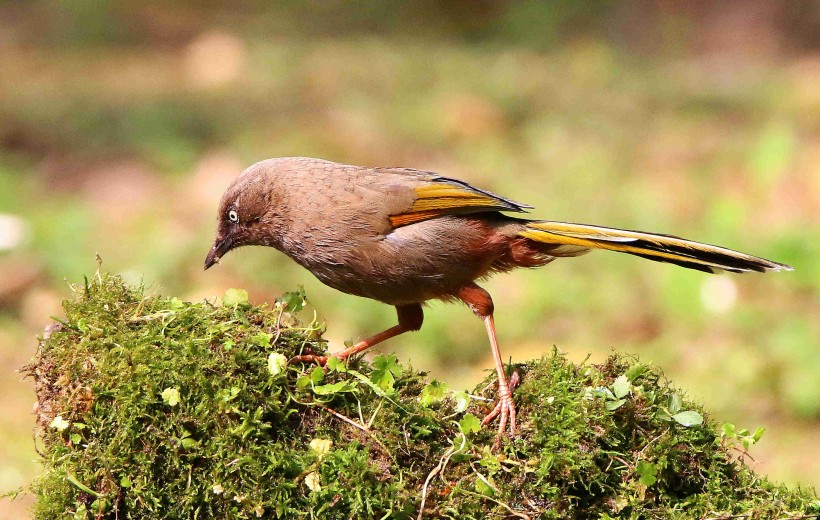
(566, 239)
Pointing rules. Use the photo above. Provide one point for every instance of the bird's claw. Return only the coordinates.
(309, 358)
(504, 409)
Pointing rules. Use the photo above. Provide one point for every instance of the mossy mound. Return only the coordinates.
(153, 407)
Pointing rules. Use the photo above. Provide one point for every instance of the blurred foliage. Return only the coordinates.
(122, 122)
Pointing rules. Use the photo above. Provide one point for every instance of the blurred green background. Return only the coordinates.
(121, 123)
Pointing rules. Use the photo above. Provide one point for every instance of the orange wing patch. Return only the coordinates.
(410, 218)
(436, 199)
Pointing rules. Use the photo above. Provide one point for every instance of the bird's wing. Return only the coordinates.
(434, 195)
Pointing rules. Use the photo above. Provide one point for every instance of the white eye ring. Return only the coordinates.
(233, 216)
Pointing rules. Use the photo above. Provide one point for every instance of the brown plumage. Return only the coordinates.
(404, 236)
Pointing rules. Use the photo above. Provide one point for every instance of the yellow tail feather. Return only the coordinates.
(574, 239)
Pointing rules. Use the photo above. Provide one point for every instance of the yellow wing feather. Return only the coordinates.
(449, 197)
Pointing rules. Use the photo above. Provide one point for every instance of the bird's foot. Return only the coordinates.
(309, 358)
(504, 409)
(342, 355)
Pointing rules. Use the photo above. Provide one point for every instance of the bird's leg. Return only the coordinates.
(410, 318)
(481, 304)
(505, 407)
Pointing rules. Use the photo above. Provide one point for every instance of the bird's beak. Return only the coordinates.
(220, 248)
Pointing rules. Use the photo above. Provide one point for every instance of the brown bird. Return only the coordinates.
(403, 237)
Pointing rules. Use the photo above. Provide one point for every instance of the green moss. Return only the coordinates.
(151, 407)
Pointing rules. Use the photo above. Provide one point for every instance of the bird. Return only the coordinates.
(405, 236)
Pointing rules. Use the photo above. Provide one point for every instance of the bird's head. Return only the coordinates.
(247, 214)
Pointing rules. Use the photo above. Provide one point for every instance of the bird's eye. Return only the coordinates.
(233, 216)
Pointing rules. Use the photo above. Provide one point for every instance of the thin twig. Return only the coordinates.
(498, 502)
(442, 463)
(351, 422)
(278, 324)
(345, 418)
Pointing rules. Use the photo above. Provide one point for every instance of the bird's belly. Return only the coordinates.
(416, 263)
(400, 283)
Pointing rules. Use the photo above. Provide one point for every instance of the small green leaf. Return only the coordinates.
(621, 386)
(636, 371)
(614, 405)
(601, 391)
(688, 418)
(170, 396)
(373, 386)
(647, 473)
(100, 505)
(235, 298)
(293, 301)
(81, 324)
(317, 375)
(125, 482)
(303, 382)
(433, 392)
(489, 461)
(81, 512)
(262, 339)
(189, 442)
(385, 371)
(335, 364)
(334, 388)
(462, 400)
(758, 434)
(75, 438)
(484, 485)
(388, 363)
(728, 430)
(675, 403)
(469, 424)
(229, 394)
